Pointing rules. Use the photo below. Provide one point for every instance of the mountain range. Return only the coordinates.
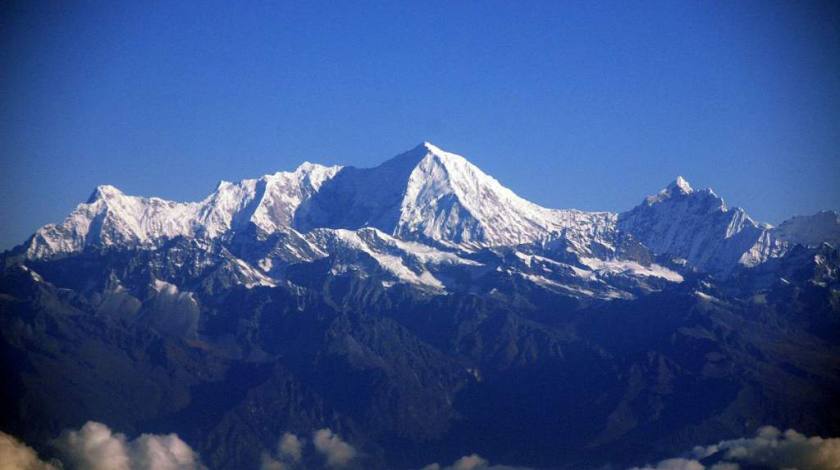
(423, 311)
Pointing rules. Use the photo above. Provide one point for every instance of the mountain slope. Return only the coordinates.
(696, 226)
(419, 309)
(432, 195)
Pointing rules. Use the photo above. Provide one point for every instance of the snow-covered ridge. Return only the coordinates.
(110, 217)
(698, 226)
(403, 261)
(811, 230)
(678, 187)
(426, 208)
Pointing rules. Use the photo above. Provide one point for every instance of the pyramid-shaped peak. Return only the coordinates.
(404, 163)
(426, 148)
(679, 187)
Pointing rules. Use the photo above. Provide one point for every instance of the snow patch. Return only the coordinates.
(631, 267)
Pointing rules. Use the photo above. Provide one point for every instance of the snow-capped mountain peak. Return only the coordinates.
(433, 197)
(104, 191)
(695, 225)
(450, 200)
(678, 187)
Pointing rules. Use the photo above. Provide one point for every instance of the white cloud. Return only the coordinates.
(162, 452)
(788, 449)
(96, 447)
(674, 464)
(15, 455)
(471, 462)
(270, 463)
(291, 446)
(725, 466)
(337, 452)
(289, 453)
(770, 448)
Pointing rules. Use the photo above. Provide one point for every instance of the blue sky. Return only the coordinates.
(571, 104)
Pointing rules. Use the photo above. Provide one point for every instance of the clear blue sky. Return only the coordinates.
(588, 105)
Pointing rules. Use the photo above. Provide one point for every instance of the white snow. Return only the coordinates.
(164, 287)
(695, 225)
(395, 265)
(677, 187)
(451, 200)
(113, 218)
(252, 277)
(170, 290)
(631, 267)
(35, 276)
(427, 209)
(575, 290)
(705, 296)
(822, 227)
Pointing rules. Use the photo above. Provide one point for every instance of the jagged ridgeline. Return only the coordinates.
(420, 308)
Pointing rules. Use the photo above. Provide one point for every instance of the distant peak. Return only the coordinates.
(104, 191)
(677, 187)
(681, 185)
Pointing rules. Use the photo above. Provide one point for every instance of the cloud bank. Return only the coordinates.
(96, 447)
(472, 462)
(337, 452)
(289, 453)
(291, 446)
(770, 448)
(15, 455)
(676, 464)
